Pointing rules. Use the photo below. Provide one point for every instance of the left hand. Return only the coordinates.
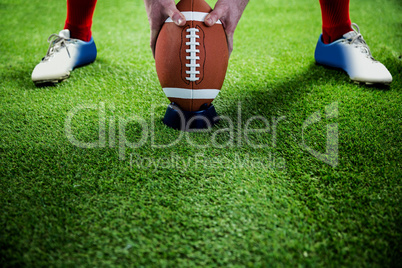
(158, 11)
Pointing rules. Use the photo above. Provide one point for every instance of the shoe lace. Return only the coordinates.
(358, 41)
(56, 42)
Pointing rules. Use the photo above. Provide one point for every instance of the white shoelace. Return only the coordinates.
(358, 41)
(56, 42)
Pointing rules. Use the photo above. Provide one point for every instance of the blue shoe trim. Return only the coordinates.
(332, 54)
(178, 119)
(87, 53)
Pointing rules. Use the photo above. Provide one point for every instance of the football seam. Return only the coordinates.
(202, 73)
(183, 77)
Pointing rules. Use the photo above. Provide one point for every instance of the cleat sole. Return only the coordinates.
(46, 82)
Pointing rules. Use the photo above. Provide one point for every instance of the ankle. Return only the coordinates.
(81, 33)
(331, 34)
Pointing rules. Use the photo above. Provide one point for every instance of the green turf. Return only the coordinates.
(211, 199)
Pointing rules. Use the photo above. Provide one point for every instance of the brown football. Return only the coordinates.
(191, 61)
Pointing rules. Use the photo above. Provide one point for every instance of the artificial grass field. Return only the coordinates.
(211, 199)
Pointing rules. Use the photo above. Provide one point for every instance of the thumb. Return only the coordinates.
(214, 16)
(177, 17)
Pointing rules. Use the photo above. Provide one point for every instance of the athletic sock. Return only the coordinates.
(335, 19)
(79, 18)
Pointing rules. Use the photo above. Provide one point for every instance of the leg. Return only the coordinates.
(335, 19)
(343, 47)
(79, 18)
(71, 48)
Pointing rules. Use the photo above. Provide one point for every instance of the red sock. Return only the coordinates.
(335, 19)
(79, 18)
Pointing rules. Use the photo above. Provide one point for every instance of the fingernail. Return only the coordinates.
(177, 19)
(209, 21)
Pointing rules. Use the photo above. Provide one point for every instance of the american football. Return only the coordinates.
(191, 61)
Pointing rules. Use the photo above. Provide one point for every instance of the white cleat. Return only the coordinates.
(63, 55)
(352, 54)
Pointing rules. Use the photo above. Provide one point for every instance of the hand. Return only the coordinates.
(229, 12)
(158, 11)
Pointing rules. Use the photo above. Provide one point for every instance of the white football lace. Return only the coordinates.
(358, 41)
(56, 42)
(193, 65)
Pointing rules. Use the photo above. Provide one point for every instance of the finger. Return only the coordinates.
(177, 17)
(230, 43)
(154, 36)
(215, 15)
